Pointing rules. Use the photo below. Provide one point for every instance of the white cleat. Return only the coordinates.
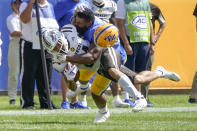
(140, 104)
(101, 117)
(168, 75)
(120, 104)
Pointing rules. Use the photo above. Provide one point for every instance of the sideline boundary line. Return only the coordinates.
(89, 111)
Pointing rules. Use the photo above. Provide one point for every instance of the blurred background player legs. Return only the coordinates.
(65, 104)
(74, 101)
(193, 94)
(14, 26)
(156, 16)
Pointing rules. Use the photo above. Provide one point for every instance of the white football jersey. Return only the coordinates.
(78, 46)
(81, 46)
(104, 12)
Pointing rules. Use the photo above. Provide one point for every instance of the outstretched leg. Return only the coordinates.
(159, 72)
(126, 84)
(148, 76)
(145, 77)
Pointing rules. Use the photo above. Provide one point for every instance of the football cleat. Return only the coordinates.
(118, 103)
(130, 102)
(101, 117)
(12, 102)
(192, 100)
(168, 75)
(65, 105)
(149, 105)
(140, 104)
(78, 105)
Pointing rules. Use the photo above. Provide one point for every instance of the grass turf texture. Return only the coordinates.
(56, 120)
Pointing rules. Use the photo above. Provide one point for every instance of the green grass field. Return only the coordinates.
(170, 113)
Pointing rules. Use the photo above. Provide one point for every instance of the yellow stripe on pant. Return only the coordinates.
(100, 83)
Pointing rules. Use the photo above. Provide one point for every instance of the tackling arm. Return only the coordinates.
(88, 58)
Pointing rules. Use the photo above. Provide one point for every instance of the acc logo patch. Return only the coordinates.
(72, 49)
(140, 21)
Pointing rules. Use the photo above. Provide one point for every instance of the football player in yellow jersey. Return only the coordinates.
(105, 10)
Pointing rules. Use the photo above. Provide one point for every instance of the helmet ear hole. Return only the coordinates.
(106, 35)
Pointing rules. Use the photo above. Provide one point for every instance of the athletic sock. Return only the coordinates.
(159, 73)
(83, 97)
(103, 110)
(126, 84)
(117, 98)
(125, 95)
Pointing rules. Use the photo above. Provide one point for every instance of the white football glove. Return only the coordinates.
(61, 58)
(81, 7)
(59, 67)
(70, 71)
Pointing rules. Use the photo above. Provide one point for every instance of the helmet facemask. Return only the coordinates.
(55, 42)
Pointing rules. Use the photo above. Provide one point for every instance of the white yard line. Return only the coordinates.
(78, 111)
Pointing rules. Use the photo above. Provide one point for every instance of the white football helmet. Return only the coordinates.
(55, 42)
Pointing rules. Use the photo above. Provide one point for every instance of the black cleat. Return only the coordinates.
(192, 100)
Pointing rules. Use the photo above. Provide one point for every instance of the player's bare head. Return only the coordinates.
(15, 5)
(76, 0)
(83, 20)
(54, 41)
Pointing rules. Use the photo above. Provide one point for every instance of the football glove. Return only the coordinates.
(70, 71)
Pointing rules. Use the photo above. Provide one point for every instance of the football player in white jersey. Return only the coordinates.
(104, 9)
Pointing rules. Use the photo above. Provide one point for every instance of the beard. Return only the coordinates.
(81, 30)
